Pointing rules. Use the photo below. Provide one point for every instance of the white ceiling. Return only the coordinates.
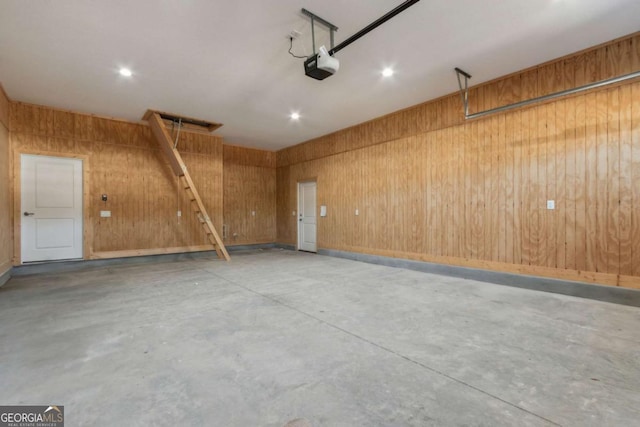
(227, 61)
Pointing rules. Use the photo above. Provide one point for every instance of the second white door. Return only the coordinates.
(307, 222)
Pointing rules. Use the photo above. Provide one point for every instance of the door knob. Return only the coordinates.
(29, 213)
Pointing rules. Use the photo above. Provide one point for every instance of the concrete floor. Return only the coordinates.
(276, 335)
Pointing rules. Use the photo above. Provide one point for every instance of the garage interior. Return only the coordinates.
(244, 245)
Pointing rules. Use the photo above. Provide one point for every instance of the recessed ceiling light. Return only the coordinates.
(125, 72)
(387, 72)
(295, 116)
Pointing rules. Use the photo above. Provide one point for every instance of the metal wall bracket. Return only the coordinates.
(464, 93)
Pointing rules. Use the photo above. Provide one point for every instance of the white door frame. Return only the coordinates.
(87, 235)
(298, 217)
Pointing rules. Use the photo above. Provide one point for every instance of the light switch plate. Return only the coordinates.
(105, 214)
(357, 212)
(551, 204)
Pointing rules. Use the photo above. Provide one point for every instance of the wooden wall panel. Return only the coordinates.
(635, 180)
(4, 108)
(625, 208)
(431, 186)
(143, 195)
(6, 211)
(249, 187)
(249, 156)
(285, 206)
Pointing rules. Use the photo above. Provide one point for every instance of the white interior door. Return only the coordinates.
(307, 223)
(51, 208)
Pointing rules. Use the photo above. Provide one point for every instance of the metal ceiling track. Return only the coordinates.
(464, 93)
(356, 36)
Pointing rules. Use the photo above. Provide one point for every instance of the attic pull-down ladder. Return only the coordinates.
(163, 138)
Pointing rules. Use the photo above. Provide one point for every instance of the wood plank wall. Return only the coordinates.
(126, 164)
(249, 187)
(4, 108)
(6, 231)
(430, 186)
